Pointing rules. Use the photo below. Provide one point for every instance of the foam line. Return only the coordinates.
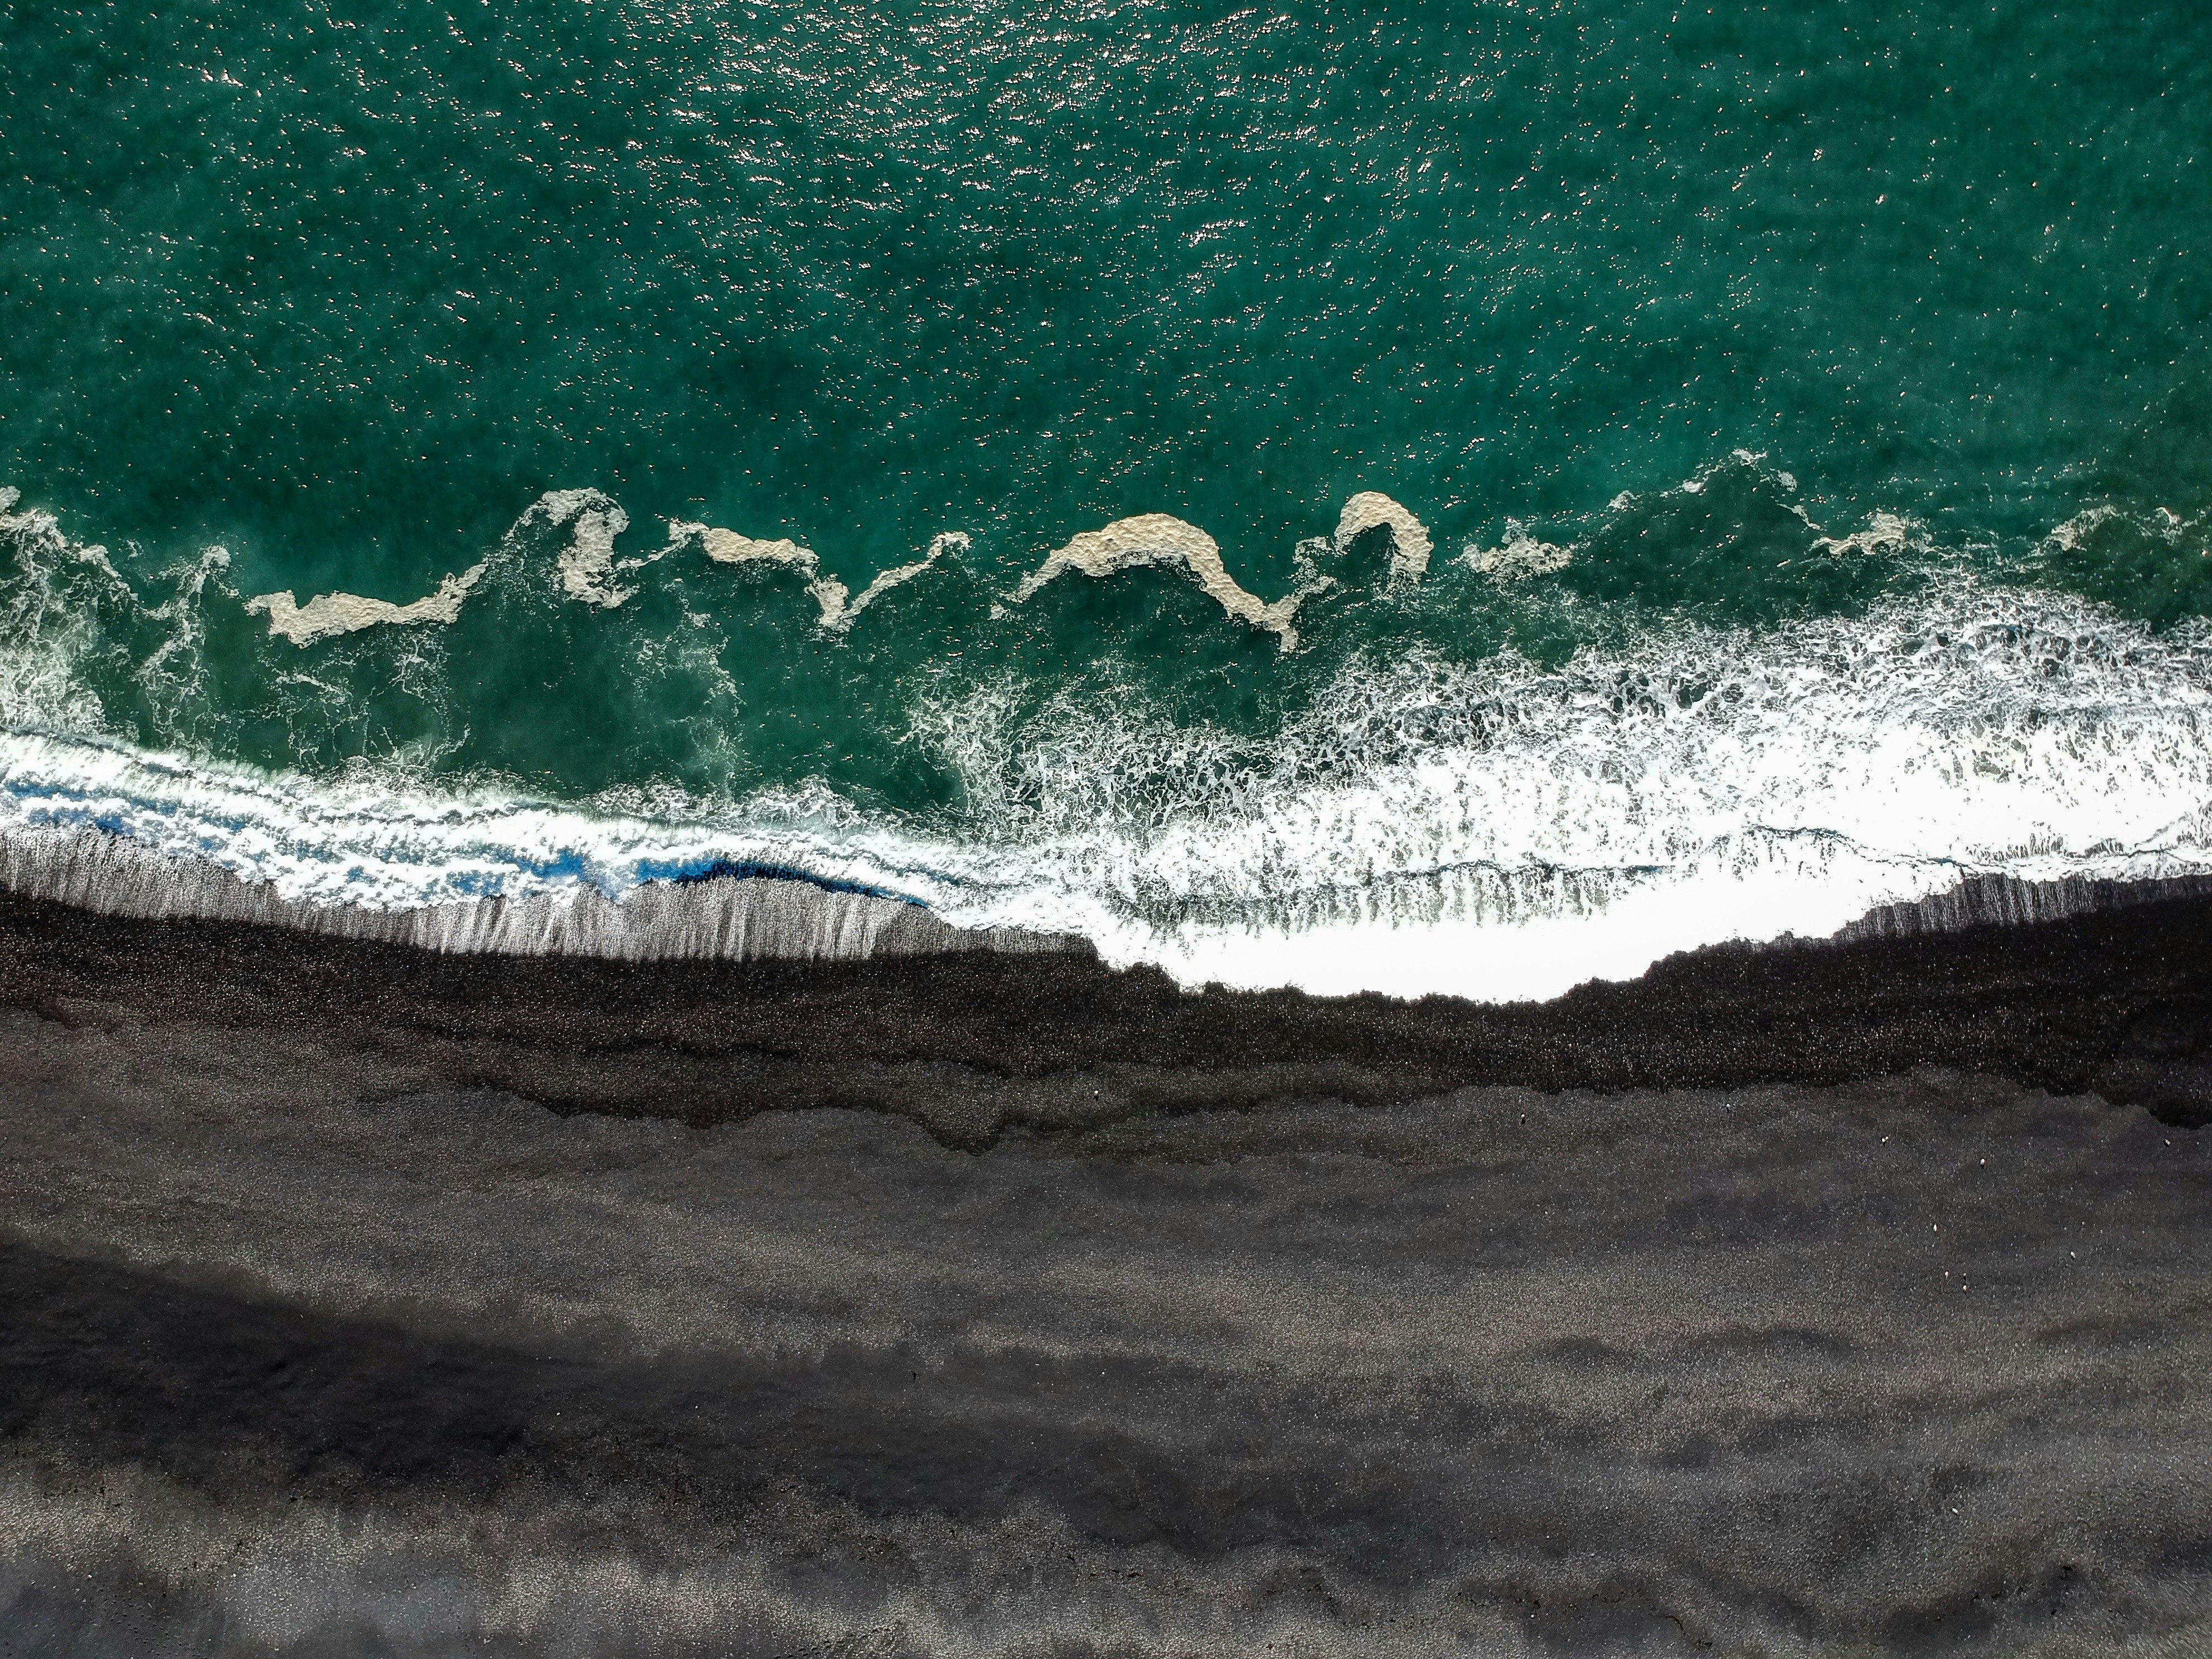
(1160, 538)
(829, 593)
(586, 568)
(1409, 537)
(1518, 556)
(329, 614)
(1886, 532)
(950, 541)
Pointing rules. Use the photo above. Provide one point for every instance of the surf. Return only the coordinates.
(1498, 830)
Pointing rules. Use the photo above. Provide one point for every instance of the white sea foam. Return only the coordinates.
(1156, 539)
(1409, 537)
(1161, 538)
(51, 620)
(829, 594)
(1497, 830)
(2162, 522)
(949, 540)
(2069, 535)
(1518, 556)
(1885, 533)
(329, 614)
(1506, 830)
(1501, 830)
(586, 568)
(728, 547)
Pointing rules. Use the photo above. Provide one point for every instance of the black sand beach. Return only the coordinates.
(1837, 1299)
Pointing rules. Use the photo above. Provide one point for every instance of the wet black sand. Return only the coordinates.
(1846, 1299)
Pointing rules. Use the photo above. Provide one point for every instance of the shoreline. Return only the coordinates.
(769, 915)
(975, 1043)
(732, 918)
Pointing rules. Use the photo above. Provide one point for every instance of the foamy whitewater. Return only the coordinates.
(1502, 831)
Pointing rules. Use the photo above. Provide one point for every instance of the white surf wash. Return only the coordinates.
(50, 624)
(1499, 831)
(1506, 830)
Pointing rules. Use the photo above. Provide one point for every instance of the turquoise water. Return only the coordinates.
(1727, 324)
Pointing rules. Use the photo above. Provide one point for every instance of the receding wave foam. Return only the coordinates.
(1507, 830)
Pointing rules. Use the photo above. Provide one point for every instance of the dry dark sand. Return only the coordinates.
(1841, 1300)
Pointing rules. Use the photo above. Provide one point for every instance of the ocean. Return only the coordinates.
(1082, 831)
(1461, 499)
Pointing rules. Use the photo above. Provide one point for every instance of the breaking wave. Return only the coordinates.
(1509, 830)
(1502, 829)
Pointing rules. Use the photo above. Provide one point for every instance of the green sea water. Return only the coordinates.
(1763, 316)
